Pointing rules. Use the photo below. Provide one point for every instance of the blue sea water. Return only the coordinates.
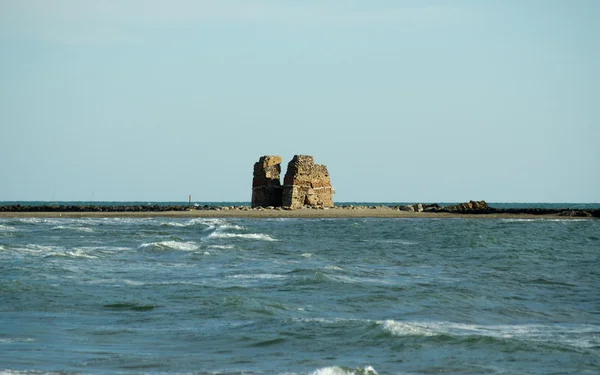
(299, 296)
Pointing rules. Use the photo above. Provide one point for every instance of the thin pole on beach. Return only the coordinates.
(190, 201)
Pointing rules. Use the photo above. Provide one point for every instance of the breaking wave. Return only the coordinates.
(249, 236)
(74, 228)
(261, 276)
(578, 336)
(170, 245)
(221, 247)
(335, 370)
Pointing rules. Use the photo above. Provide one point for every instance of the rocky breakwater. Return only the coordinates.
(266, 183)
(482, 208)
(307, 184)
(471, 207)
(91, 208)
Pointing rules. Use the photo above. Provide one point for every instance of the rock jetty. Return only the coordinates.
(306, 184)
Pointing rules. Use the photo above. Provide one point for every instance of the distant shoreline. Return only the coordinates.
(335, 212)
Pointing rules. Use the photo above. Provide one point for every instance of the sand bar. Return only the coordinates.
(336, 212)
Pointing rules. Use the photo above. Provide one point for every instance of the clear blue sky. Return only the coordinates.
(430, 101)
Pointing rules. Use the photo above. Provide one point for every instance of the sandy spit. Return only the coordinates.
(336, 212)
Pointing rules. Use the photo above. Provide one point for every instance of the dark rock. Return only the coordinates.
(575, 213)
(469, 207)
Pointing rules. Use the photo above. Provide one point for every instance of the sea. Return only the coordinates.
(299, 296)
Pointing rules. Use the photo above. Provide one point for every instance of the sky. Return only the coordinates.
(404, 101)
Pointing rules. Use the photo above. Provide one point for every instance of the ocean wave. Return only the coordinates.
(130, 306)
(261, 276)
(395, 241)
(38, 250)
(407, 329)
(221, 247)
(37, 220)
(170, 245)
(15, 339)
(338, 274)
(335, 370)
(520, 220)
(115, 282)
(49, 251)
(175, 224)
(76, 253)
(75, 228)
(330, 320)
(578, 336)
(249, 236)
(214, 224)
(7, 228)
(541, 219)
(209, 224)
(28, 372)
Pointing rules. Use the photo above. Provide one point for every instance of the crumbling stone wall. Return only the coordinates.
(266, 184)
(305, 183)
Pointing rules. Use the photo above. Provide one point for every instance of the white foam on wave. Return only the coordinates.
(306, 255)
(175, 224)
(74, 228)
(568, 220)
(29, 372)
(249, 236)
(335, 370)
(581, 336)
(516, 220)
(396, 241)
(210, 224)
(231, 226)
(261, 276)
(171, 245)
(7, 228)
(215, 224)
(39, 250)
(15, 339)
(115, 282)
(57, 251)
(221, 247)
(407, 329)
(327, 320)
(76, 253)
(37, 220)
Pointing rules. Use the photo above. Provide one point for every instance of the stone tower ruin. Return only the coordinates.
(266, 184)
(305, 183)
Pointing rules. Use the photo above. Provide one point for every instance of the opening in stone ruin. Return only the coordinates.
(305, 183)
